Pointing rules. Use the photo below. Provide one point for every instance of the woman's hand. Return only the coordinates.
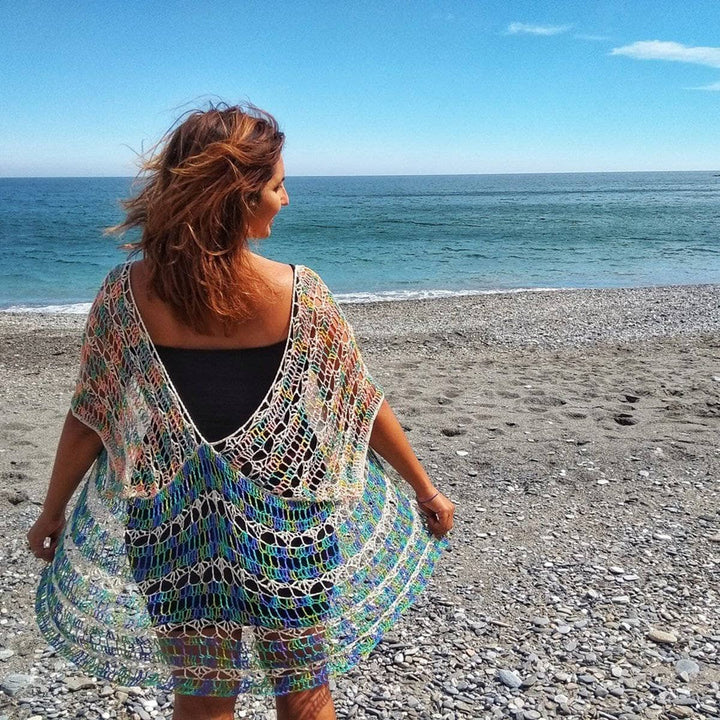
(77, 449)
(45, 527)
(440, 513)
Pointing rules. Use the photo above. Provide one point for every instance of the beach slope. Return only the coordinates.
(578, 433)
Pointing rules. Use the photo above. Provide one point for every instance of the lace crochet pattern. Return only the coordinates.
(263, 563)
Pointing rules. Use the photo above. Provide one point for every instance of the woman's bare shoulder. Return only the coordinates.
(139, 277)
(280, 274)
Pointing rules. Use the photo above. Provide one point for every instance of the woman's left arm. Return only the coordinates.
(77, 449)
(389, 440)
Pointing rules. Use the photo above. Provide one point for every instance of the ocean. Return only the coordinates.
(394, 237)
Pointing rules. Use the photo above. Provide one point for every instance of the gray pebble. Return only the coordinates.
(79, 683)
(661, 636)
(15, 683)
(509, 678)
(540, 621)
(686, 669)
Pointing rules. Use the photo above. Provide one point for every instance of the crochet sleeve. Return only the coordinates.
(92, 400)
(352, 398)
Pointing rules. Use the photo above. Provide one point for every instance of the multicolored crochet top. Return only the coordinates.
(262, 563)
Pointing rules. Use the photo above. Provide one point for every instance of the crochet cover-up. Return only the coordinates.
(262, 563)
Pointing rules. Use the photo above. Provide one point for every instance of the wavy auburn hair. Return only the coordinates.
(198, 187)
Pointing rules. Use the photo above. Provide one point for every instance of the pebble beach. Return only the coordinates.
(578, 433)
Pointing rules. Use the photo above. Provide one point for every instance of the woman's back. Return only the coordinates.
(221, 378)
(269, 325)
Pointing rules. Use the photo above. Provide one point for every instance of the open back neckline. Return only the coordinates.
(175, 395)
(256, 348)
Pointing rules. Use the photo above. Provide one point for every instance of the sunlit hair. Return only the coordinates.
(198, 187)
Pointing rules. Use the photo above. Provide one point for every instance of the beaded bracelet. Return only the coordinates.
(422, 502)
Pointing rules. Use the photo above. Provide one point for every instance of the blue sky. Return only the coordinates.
(401, 87)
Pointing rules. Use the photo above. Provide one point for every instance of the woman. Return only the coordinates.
(237, 533)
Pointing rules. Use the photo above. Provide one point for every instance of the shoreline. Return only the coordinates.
(382, 297)
(602, 312)
(576, 431)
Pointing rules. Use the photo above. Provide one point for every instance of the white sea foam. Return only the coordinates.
(350, 298)
(70, 309)
(394, 295)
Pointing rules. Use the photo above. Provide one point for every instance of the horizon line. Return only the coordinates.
(358, 175)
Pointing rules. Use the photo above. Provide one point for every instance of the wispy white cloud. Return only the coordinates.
(592, 38)
(676, 52)
(517, 28)
(713, 87)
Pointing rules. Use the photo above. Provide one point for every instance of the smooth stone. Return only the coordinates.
(687, 668)
(130, 689)
(15, 683)
(79, 683)
(509, 678)
(662, 637)
(6, 653)
(680, 711)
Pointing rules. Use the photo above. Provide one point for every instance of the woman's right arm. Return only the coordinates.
(389, 440)
(77, 449)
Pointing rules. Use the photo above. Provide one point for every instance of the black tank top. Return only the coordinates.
(221, 389)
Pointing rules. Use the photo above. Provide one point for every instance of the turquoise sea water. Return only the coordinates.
(393, 236)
